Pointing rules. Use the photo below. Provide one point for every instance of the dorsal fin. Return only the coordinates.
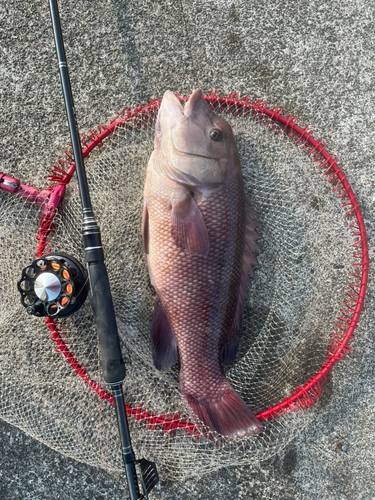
(232, 337)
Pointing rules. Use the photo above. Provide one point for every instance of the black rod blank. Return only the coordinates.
(69, 106)
(111, 357)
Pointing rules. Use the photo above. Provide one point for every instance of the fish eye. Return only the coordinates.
(216, 134)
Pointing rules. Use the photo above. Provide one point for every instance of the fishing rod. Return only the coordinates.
(102, 304)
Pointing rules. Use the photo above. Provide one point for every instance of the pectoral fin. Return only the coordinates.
(188, 227)
(164, 345)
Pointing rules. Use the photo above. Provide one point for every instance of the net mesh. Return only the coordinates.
(305, 267)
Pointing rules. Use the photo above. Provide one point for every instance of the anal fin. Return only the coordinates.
(164, 345)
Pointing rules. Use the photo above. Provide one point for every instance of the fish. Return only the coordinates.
(199, 234)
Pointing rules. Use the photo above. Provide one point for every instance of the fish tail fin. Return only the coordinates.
(229, 415)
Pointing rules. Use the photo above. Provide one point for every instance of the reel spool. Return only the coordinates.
(53, 286)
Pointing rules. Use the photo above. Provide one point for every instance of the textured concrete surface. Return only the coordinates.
(315, 59)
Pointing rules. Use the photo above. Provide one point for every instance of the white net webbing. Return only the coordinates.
(299, 285)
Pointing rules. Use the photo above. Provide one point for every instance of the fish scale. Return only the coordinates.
(193, 324)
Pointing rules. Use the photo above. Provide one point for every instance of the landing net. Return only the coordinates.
(300, 317)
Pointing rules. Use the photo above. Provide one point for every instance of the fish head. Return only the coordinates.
(197, 144)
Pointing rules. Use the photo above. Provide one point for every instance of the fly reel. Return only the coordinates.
(53, 286)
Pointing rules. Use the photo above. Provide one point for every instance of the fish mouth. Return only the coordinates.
(198, 155)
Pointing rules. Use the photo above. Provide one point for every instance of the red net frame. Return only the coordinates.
(305, 395)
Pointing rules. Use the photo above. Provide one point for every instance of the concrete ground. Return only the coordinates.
(315, 59)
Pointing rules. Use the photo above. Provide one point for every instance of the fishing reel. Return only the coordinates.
(53, 285)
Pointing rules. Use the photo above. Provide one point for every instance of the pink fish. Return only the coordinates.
(199, 236)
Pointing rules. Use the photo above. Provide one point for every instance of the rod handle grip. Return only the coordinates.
(109, 342)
